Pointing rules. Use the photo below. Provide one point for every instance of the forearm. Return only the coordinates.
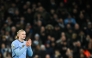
(29, 51)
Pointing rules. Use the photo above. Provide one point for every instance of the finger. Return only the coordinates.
(29, 40)
(26, 44)
(29, 43)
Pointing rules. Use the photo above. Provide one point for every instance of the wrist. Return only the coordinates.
(25, 46)
(28, 46)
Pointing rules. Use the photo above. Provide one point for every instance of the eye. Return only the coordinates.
(23, 34)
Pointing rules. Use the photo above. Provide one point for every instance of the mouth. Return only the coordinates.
(24, 37)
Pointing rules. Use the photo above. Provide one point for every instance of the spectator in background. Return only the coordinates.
(37, 26)
(76, 28)
(57, 54)
(52, 11)
(48, 39)
(61, 10)
(49, 51)
(55, 17)
(29, 16)
(18, 26)
(75, 13)
(53, 20)
(3, 49)
(8, 38)
(6, 27)
(47, 56)
(22, 22)
(36, 56)
(8, 55)
(61, 23)
(37, 40)
(82, 39)
(39, 4)
(42, 34)
(37, 50)
(16, 16)
(89, 46)
(62, 38)
(1, 56)
(61, 45)
(28, 3)
(70, 20)
(2, 18)
(28, 30)
(45, 15)
(1, 33)
(13, 31)
(88, 28)
(2, 11)
(49, 29)
(42, 51)
(69, 30)
(53, 4)
(24, 9)
(40, 18)
(57, 31)
(81, 53)
(81, 18)
(73, 40)
(4, 40)
(12, 9)
(9, 21)
(69, 53)
(34, 7)
(88, 9)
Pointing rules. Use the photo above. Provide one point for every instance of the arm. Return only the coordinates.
(29, 51)
(18, 51)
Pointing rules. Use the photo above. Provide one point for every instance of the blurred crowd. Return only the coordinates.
(58, 28)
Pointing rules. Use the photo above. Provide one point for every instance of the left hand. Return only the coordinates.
(29, 42)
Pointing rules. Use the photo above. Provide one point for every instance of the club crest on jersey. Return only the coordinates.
(23, 46)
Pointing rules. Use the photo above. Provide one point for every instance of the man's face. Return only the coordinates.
(22, 35)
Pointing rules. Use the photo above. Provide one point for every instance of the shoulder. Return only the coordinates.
(15, 42)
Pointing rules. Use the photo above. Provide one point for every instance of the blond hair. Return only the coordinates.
(21, 30)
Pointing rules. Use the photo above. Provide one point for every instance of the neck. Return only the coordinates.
(21, 40)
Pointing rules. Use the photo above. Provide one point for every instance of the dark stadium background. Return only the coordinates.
(58, 28)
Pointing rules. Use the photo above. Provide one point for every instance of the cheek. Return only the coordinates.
(24, 36)
(20, 35)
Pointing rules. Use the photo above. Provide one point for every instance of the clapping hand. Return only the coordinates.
(29, 42)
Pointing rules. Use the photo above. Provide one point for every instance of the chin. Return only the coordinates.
(23, 38)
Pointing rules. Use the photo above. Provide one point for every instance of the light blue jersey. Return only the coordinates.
(19, 49)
